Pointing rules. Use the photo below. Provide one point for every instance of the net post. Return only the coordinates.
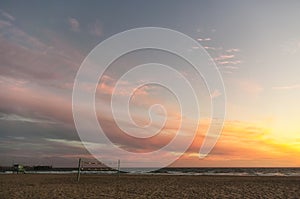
(118, 168)
(79, 167)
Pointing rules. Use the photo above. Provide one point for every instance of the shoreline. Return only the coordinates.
(171, 171)
(149, 174)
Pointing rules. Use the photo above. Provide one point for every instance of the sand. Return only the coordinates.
(146, 186)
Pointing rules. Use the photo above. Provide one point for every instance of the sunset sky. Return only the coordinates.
(256, 46)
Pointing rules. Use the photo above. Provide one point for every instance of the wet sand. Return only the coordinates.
(146, 186)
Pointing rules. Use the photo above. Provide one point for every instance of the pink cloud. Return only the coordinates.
(74, 24)
(108, 83)
(215, 94)
(233, 50)
(229, 62)
(224, 57)
(21, 99)
(96, 29)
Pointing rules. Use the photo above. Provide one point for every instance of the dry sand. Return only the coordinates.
(146, 186)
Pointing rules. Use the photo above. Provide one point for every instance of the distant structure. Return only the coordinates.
(42, 168)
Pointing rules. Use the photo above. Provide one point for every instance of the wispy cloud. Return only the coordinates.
(14, 117)
(71, 143)
(204, 39)
(289, 87)
(291, 47)
(228, 60)
(233, 50)
(108, 83)
(7, 15)
(24, 102)
(212, 48)
(224, 57)
(231, 67)
(4, 23)
(26, 57)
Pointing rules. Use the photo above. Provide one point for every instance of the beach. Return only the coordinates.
(147, 186)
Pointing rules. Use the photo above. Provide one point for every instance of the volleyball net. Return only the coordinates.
(92, 167)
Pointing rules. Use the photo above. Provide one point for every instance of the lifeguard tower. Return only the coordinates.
(18, 168)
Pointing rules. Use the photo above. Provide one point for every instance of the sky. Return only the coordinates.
(255, 45)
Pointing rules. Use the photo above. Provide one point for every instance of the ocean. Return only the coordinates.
(232, 171)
